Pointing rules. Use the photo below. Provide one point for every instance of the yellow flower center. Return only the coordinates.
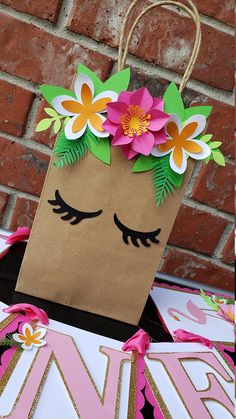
(135, 121)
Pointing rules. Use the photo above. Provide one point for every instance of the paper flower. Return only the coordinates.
(218, 300)
(228, 312)
(30, 338)
(86, 110)
(182, 142)
(136, 121)
(32, 312)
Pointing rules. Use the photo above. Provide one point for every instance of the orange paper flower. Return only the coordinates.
(182, 142)
(85, 110)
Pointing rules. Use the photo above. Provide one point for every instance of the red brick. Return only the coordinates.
(191, 230)
(163, 37)
(15, 104)
(218, 10)
(215, 187)
(45, 137)
(4, 197)
(185, 265)
(22, 168)
(227, 255)
(44, 58)
(23, 214)
(44, 9)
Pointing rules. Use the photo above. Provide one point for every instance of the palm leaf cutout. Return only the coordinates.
(69, 151)
(209, 301)
(165, 179)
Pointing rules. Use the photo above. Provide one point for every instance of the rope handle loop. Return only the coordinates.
(191, 11)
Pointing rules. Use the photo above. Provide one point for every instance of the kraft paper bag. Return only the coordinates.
(88, 266)
(109, 203)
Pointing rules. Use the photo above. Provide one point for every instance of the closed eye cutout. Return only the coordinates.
(71, 213)
(137, 235)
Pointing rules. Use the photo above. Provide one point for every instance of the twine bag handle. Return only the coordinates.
(191, 11)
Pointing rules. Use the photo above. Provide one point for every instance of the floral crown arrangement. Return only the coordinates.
(159, 134)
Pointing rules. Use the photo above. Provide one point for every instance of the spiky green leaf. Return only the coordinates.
(165, 180)
(69, 151)
(209, 300)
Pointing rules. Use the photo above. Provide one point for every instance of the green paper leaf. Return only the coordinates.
(218, 157)
(43, 124)
(51, 112)
(206, 161)
(69, 151)
(57, 126)
(144, 163)
(50, 92)
(196, 110)
(173, 101)
(209, 301)
(66, 120)
(165, 179)
(215, 144)
(119, 81)
(206, 138)
(99, 147)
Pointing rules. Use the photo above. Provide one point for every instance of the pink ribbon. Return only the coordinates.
(32, 312)
(139, 342)
(181, 335)
(21, 234)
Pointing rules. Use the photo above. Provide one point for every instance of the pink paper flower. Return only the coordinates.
(228, 312)
(137, 122)
(32, 312)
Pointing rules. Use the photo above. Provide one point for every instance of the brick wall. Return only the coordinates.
(42, 41)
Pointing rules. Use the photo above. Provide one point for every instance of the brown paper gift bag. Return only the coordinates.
(89, 266)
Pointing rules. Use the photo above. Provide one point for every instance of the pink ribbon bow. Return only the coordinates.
(139, 342)
(32, 312)
(181, 335)
(21, 234)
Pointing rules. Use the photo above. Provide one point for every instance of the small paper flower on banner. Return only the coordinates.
(182, 142)
(136, 121)
(219, 300)
(227, 311)
(30, 338)
(86, 110)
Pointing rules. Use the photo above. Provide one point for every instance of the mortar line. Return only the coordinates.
(33, 145)
(111, 52)
(204, 257)
(19, 81)
(223, 240)
(13, 191)
(9, 212)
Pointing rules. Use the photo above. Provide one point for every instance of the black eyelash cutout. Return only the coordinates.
(71, 212)
(137, 235)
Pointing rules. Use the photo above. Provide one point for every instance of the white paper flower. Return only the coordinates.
(85, 110)
(182, 141)
(30, 338)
